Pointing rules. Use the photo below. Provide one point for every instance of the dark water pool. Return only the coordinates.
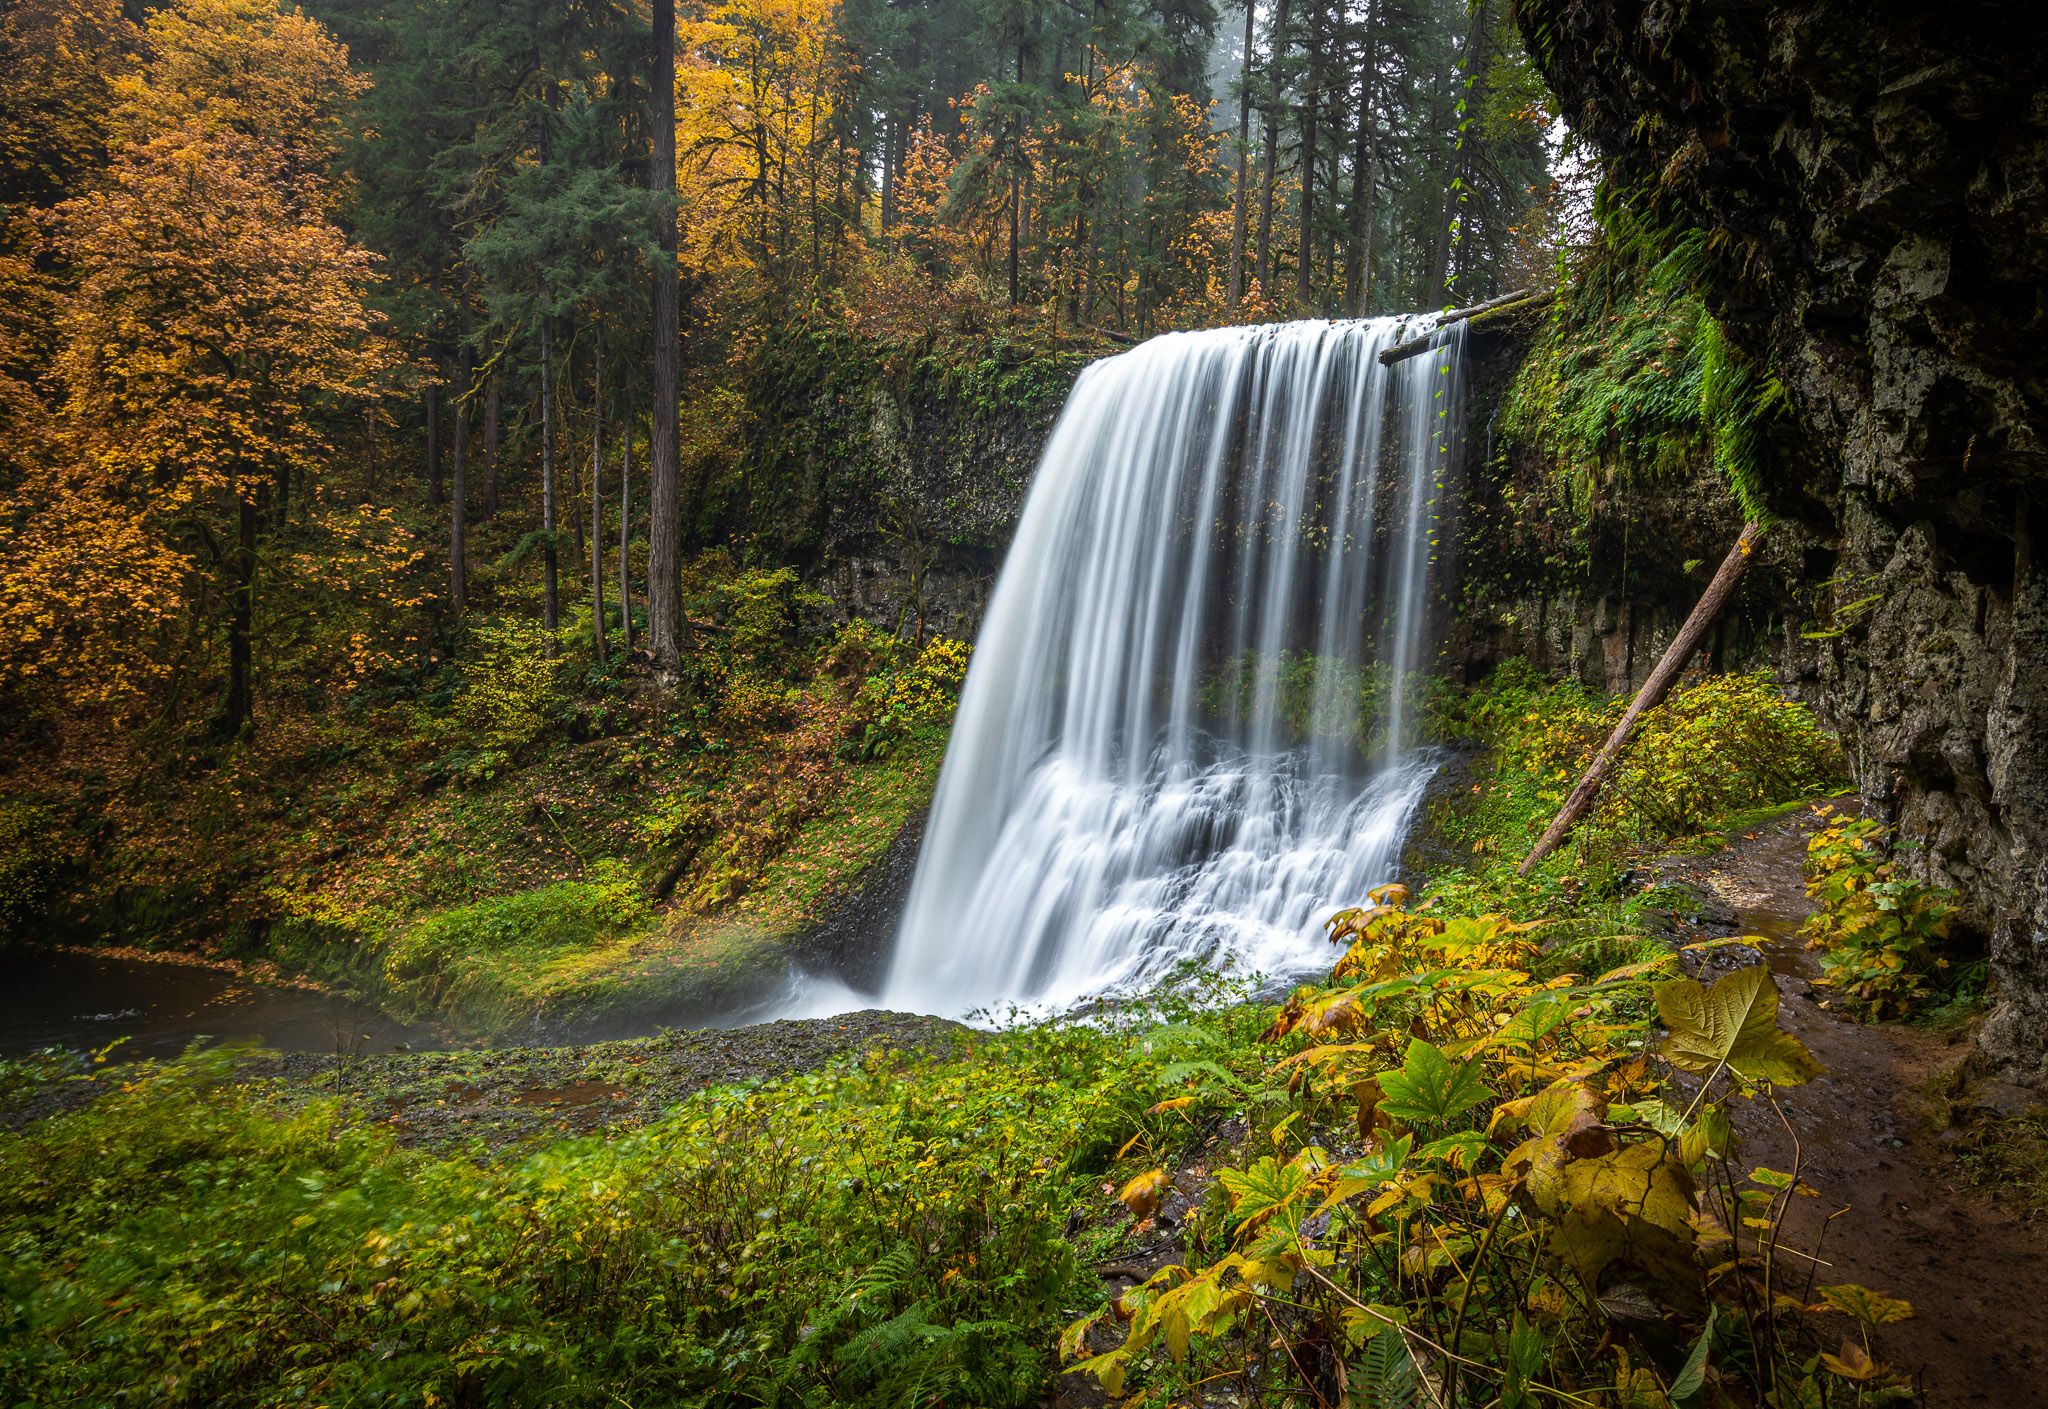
(84, 1002)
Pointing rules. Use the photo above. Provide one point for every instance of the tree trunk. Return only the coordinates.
(575, 462)
(433, 399)
(1016, 186)
(1272, 156)
(664, 494)
(597, 501)
(626, 521)
(1364, 177)
(551, 614)
(886, 219)
(237, 714)
(1454, 192)
(1304, 267)
(458, 505)
(1652, 694)
(1241, 207)
(494, 400)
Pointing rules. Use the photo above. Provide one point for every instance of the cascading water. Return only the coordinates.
(1183, 731)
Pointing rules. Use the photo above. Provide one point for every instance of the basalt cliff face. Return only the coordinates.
(1875, 179)
(1596, 588)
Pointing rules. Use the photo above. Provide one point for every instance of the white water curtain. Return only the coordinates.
(1227, 532)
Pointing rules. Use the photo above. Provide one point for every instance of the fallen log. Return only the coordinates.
(1416, 346)
(1121, 339)
(1651, 695)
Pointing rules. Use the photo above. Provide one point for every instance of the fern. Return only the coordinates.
(1385, 1376)
(890, 1274)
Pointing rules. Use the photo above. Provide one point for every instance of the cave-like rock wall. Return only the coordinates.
(1875, 180)
(1596, 588)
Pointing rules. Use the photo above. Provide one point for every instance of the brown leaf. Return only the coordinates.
(1142, 1196)
(1853, 1363)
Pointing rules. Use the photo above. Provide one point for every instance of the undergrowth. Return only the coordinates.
(1883, 937)
(1466, 1167)
(1720, 750)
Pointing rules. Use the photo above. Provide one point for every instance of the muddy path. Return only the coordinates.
(1975, 1271)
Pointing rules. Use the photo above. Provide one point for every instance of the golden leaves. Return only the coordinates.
(1864, 1305)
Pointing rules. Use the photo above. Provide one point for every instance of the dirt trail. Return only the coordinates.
(1976, 1272)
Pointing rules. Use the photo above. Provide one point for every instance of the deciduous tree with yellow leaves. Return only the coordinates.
(215, 323)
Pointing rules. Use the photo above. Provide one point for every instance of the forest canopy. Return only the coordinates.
(328, 326)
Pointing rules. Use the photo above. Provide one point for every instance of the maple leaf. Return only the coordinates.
(1735, 1023)
(1869, 1307)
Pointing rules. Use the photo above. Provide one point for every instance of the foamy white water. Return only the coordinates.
(1260, 498)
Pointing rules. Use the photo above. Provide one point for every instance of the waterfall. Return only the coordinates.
(1183, 732)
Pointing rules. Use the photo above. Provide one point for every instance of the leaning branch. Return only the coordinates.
(1416, 346)
(1652, 694)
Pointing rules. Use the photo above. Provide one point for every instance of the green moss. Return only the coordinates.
(591, 949)
(1631, 375)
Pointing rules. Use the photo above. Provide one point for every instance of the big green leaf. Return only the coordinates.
(1869, 1307)
(1736, 1022)
(1265, 1189)
(1524, 1364)
(1430, 1086)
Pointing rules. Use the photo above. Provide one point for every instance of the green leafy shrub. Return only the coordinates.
(1470, 1173)
(763, 609)
(893, 704)
(879, 1234)
(511, 690)
(1881, 936)
(1716, 749)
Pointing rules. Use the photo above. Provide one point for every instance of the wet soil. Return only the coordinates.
(497, 1102)
(511, 1098)
(1898, 1219)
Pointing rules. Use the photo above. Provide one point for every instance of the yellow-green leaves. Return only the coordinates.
(1635, 1205)
(1869, 1307)
(1256, 1194)
(1735, 1023)
(1143, 1194)
(1564, 1124)
(1430, 1086)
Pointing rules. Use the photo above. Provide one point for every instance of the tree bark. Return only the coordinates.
(1304, 273)
(1241, 208)
(1272, 155)
(494, 402)
(1364, 182)
(1651, 695)
(664, 492)
(597, 501)
(1454, 191)
(458, 498)
(626, 521)
(433, 400)
(551, 614)
(1415, 347)
(237, 713)
(1016, 185)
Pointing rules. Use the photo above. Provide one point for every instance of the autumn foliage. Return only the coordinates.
(211, 321)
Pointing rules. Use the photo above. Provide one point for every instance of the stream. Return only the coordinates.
(83, 1002)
